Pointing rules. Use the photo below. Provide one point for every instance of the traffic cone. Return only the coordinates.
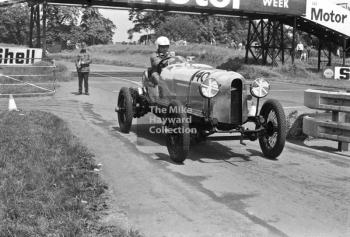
(12, 104)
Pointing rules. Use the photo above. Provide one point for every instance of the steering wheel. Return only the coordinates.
(163, 63)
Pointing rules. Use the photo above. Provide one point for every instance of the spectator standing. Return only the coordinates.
(300, 49)
(308, 50)
(240, 46)
(82, 64)
(303, 56)
(338, 51)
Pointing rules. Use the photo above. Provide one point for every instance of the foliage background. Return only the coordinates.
(192, 28)
(66, 26)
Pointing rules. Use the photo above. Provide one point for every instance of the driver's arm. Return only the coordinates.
(155, 60)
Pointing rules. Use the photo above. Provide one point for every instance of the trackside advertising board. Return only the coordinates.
(342, 73)
(19, 56)
(337, 73)
(329, 15)
(286, 7)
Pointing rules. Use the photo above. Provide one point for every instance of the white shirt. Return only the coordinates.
(300, 46)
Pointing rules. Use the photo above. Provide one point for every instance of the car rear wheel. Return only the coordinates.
(273, 140)
(125, 110)
(178, 136)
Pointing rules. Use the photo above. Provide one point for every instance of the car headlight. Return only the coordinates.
(209, 88)
(259, 88)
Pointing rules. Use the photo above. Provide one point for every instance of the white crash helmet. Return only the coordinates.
(162, 41)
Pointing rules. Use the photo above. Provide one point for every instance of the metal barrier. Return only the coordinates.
(333, 125)
(28, 80)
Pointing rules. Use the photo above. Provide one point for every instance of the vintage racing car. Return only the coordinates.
(197, 100)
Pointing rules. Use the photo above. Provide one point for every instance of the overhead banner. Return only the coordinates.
(19, 56)
(287, 7)
(272, 7)
(329, 15)
(210, 4)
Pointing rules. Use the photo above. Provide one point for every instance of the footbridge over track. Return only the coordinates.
(272, 23)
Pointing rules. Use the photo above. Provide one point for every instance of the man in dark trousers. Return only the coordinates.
(82, 64)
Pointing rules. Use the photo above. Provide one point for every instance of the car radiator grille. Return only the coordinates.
(236, 101)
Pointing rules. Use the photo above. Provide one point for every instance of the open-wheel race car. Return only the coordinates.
(197, 100)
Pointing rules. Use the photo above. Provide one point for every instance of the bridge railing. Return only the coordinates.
(334, 124)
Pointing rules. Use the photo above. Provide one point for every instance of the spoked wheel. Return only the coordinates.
(125, 110)
(178, 136)
(273, 140)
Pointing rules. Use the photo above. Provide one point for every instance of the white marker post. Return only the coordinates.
(12, 104)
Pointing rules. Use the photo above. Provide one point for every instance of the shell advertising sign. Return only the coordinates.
(19, 56)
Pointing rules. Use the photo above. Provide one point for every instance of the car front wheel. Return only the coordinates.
(273, 139)
(125, 110)
(178, 136)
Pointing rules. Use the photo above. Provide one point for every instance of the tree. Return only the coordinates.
(179, 28)
(96, 28)
(146, 21)
(222, 29)
(61, 23)
(14, 24)
(194, 28)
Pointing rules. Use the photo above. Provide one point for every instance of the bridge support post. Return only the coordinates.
(329, 63)
(344, 51)
(37, 20)
(262, 41)
(248, 44)
(266, 41)
(319, 55)
(44, 28)
(274, 39)
(35, 26)
(282, 42)
(31, 26)
(293, 39)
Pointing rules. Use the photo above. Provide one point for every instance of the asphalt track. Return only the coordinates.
(222, 189)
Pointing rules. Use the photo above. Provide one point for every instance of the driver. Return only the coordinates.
(163, 44)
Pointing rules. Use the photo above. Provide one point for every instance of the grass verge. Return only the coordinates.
(47, 183)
